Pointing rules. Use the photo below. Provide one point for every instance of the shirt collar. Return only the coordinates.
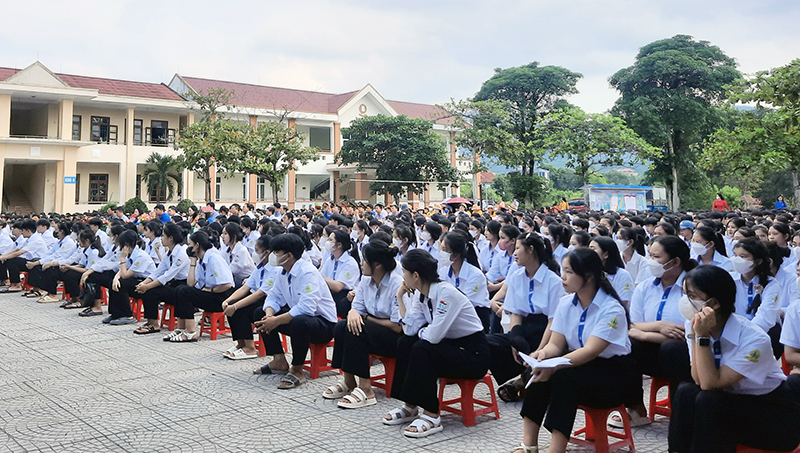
(540, 273)
(732, 329)
(599, 296)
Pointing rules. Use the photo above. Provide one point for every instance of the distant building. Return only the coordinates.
(542, 172)
(628, 171)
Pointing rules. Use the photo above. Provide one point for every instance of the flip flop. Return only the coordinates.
(265, 369)
(239, 354)
(9, 289)
(356, 400)
(90, 312)
(290, 381)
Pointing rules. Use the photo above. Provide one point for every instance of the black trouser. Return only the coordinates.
(105, 279)
(775, 338)
(342, 303)
(421, 363)
(669, 359)
(351, 352)
(153, 297)
(72, 283)
(485, 315)
(242, 320)
(525, 337)
(793, 382)
(121, 308)
(35, 276)
(48, 280)
(13, 267)
(704, 420)
(600, 383)
(302, 331)
(495, 321)
(189, 298)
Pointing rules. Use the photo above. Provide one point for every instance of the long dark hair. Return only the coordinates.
(349, 246)
(586, 263)
(760, 253)
(421, 262)
(710, 235)
(95, 241)
(560, 234)
(378, 251)
(460, 243)
(542, 249)
(202, 239)
(174, 231)
(675, 247)
(714, 282)
(129, 238)
(614, 260)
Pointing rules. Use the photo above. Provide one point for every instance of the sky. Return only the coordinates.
(417, 51)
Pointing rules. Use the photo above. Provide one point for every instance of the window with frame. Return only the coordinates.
(76, 127)
(158, 133)
(261, 189)
(103, 131)
(98, 188)
(218, 187)
(138, 128)
(78, 188)
(319, 137)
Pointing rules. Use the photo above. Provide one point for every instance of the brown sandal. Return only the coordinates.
(146, 328)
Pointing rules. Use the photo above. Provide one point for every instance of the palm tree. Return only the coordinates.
(162, 172)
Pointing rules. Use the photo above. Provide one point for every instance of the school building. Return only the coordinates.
(72, 143)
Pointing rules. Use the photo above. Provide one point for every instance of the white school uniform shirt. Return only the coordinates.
(304, 291)
(622, 283)
(790, 263)
(49, 239)
(790, 333)
(432, 249)
(487, 256)
(104, 239)
(481, 244)
(249, 241)
(262, 278)
(140, 263)
(34, 247)
(109, 262)
(240, 261)
(313, 255)
(61, 252)
(470, 281)
(212, 270)
(558, 254)
(88, 257)
(174, 266)
(728, 244)
(604, 318)
(790, 293)
(652, 302)
(539, 295)
(445, 314)
(151, 247)
(747, 350)
(503, 264)
(6, 243)
(75, 256)
(719, 261)
(379, 300)
(769, 311)
(345, 270)
(361, 245)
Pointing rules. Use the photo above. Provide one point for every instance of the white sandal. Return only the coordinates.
(356, 400)
(400, 415)
(239, 354)
(174, 333)
(336, 392)
(526, 448)
(426, 425)
(230, 352)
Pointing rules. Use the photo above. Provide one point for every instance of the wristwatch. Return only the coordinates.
(703, 341)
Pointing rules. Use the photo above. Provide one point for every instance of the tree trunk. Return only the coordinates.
(796, 186)
(676, 202)
(208, 189)
(275, 190)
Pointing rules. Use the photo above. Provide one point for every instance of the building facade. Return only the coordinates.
(74, 143)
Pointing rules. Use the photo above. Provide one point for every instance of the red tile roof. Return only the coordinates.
(111, 86)
(425, 111)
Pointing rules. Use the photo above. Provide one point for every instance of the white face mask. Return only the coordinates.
(397, 242)
(656, 269)
(570, 248)
(425, 236)
(444, 257)
(521, 224)
(329, 246)
(622, 244)
(796, 251)
(274, 260)
(742, 265)
(475, 233)
(699, 249)
(690, 307)
(354, 235)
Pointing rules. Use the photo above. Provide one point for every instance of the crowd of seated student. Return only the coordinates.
(620, 296)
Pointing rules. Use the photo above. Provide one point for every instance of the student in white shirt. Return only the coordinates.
(340, 268)
(503, 265)
(462, 270)
(592, 328)
(788, 281)
(208, 284)
(490, 250)
(240, 306)
(134, 266)
(312, 253)
(90, 251)
(299, 305)
(361, 234)
(708, 247)
(429, 238)
(559, 236)
(30, 248)
(758, 295)
(631, 244)
(162, 284)
(43, 229)
(443, 338)
(579, 239)
(739, 394)
(405, 240)
(476, 230)
(616, 273)
(780, 234)
(152, 232)
(372, 327)
(96, 225)
(790, 339)
(60, 253)
(236, 254)
(532, 294)
(250, 233)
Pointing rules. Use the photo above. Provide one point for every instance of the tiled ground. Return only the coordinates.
(74, 384)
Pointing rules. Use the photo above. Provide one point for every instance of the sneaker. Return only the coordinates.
(123, 321)
(108, 320)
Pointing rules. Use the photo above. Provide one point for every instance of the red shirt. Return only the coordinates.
(720, 205)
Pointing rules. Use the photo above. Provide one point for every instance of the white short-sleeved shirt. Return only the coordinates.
(379, 300)
(634, 266)
(502, 265)
(174, 266)
(240, 261)
(652, 302)
(153, 248)
(304, 291)
(622, 283)
(747, 350)
(260, 274)
(789, 290)
(558, 254)
(6, 243)
(88, 257)
(718, 260)
(49, 239)
(34, 247)
(345, 270)
(445, 314)
(60, 252)
(539, 295)
(470, 281)
(790, 264)
(140, 263)
(604, 318)
(790, 334)
(488, 255)
(212, 270)
(249, 241)
(769, 312)
(109, 262)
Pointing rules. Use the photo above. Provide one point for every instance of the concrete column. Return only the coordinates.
(3, 172)
(188, 176)
(130, 161)
(413, 200)
(254, 120)
(252, 194)
(5, 115)
(453, 149)
(362, 187)
(335, 186)
(212, 175)
(291, 184)
(65, 120)
(427, 195)
(67, 167)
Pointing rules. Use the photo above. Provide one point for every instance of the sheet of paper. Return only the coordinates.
(544, 364)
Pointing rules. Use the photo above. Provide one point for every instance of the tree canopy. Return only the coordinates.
(400, 149)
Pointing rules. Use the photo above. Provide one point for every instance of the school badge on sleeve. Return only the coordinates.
(442, 307)
(753, 356)
(613, 323)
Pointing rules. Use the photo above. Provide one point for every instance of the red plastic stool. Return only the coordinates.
(659, 407)
(103, 295)
(319, 359)
(384, 381)
(60, 290)
(23, 278)
(137, 308)
(467, 399)
(743, 449)
(262, 351)
(217, 324)
(596, 433)
(168, 317)
(787, 369)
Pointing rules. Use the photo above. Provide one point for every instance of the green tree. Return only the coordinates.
(404, 152)
(270, 151)
(670, 97)
(207, 143)
(563, 178)
(162, 174)
(591, 140)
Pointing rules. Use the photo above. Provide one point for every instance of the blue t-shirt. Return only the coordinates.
(164, 217)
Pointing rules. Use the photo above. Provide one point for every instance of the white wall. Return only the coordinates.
(84, 169)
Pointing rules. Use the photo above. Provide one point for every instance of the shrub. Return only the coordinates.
(134, 203)
(184, 205)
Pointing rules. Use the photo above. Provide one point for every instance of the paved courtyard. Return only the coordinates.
(74, 384)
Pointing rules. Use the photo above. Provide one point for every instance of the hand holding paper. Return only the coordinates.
(546, 364)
